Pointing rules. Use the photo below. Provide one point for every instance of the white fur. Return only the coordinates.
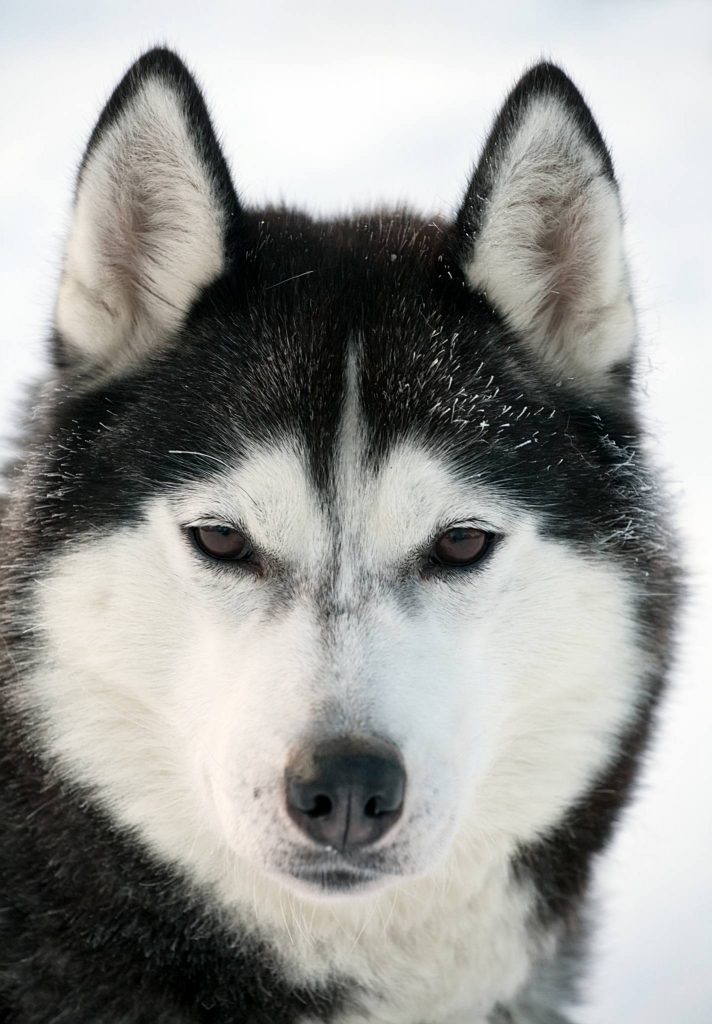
(549, 253)
(179, 693)
(147, 234)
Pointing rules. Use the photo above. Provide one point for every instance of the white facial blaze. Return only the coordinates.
(179, 692)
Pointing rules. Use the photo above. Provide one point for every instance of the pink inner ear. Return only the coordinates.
(147, 234)
(548, 252)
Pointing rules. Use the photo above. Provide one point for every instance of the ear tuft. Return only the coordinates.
(155, 216)
(540, 232)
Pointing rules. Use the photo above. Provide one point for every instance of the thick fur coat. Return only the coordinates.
(337, 591)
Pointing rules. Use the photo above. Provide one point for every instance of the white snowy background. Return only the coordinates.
(330, 105)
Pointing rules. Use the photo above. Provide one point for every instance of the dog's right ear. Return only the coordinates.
(155, 221)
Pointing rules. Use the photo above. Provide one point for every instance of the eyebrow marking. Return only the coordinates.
(221, 462)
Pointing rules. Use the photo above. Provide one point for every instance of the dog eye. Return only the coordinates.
(460, 546)
(222, 542)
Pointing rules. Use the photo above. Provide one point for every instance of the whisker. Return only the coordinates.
(288, 279)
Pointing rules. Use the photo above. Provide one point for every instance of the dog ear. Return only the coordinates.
(540, 233)
(154, 217)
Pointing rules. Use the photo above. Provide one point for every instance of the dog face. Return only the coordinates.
(337, 514)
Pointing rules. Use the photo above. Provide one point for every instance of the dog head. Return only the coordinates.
(337, 515)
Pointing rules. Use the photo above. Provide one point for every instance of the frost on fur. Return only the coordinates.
(152, 205)
(542, 232)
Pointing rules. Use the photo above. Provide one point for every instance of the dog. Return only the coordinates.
(338, 591)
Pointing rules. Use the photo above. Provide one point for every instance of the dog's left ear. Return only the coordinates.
(155, 221)
(540, 234)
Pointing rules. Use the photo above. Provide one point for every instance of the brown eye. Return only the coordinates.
(222, 542)
(462, 545)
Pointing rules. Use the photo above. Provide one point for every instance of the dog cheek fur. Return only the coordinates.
(551, 636)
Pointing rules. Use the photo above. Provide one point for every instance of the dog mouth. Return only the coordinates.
(336, 880)
(333, 874)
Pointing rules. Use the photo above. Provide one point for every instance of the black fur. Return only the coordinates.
(91, 928)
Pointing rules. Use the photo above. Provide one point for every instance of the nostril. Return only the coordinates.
(309, 799)
(372, 808)
(322, 807)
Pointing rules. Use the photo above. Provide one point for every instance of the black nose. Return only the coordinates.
(346, 793)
